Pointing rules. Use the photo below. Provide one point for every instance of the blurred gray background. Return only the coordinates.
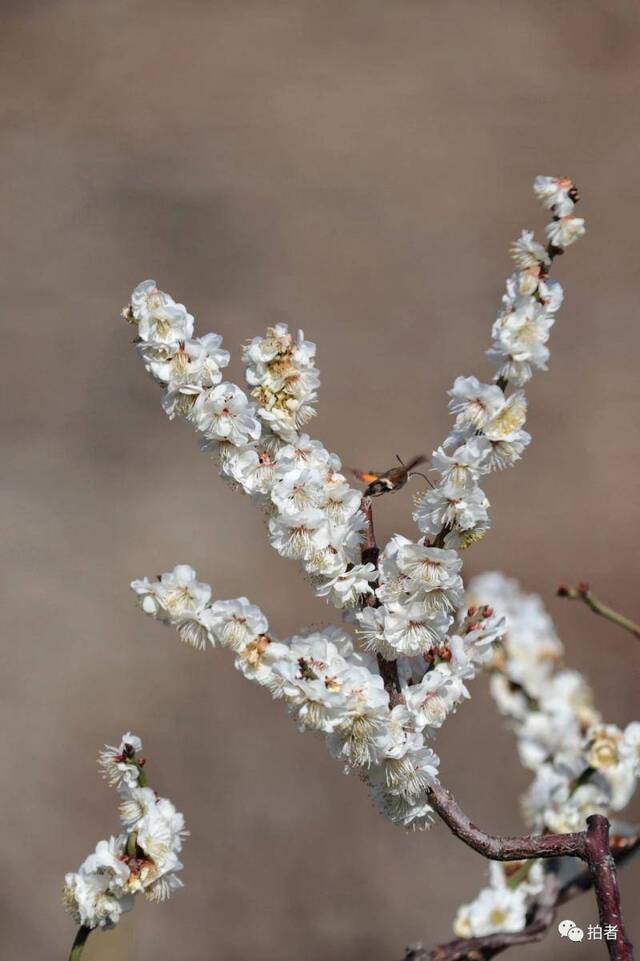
(357, 169)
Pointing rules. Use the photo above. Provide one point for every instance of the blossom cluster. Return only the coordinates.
(314, 514)
(581, 764)
(330, 686)
(488, 433)
(143, 857)
(419, 593)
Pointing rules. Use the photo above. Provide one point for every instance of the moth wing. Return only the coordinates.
(367, 477)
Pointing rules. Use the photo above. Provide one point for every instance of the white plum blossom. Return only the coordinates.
(174, 593)
(461, 469)
(408, 608)
(145, 298)
(557, 194)
(349, 587)
(411, 629)
(501, 906)
(117, 763)
(473, 402)
(177, 597)
(299, 535)
(451, 508)
(306, 452)
(429, 702)
(190, 367)
(252, 467)
(89, 898)
(494, 910)
(565, 231)
(225, 414)
(165, 326)
(528, 253)
(296, 490)
(235, 623)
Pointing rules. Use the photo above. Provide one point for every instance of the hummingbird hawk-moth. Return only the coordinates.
(385, 482)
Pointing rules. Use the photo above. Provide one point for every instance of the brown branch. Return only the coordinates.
(583, 593)
(591, 846)
(503, 848)
(370, 553)
(370, 549)
(624, 849)
(605, 882)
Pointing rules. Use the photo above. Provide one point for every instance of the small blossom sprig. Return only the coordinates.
(329, 686)
(142, 858)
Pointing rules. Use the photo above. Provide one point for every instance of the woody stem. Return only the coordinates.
(582, 593)
(79, 942)
(605, 882)
(370, 553)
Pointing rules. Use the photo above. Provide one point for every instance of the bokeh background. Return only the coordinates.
(357, 169)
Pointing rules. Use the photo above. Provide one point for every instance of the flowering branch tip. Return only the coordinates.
(142, 858)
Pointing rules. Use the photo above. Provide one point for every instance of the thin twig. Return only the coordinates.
(79, 942)
(370, 553)
(370, 550)
(583, 593)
